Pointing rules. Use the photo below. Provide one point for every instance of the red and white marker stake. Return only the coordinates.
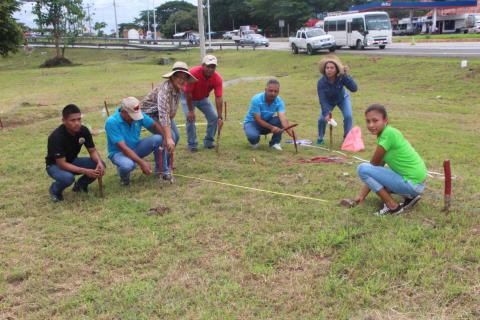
(448, 185)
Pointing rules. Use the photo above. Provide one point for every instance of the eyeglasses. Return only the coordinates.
(211, 66)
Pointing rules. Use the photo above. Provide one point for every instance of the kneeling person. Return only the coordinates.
(125, 148)
(64, 145)
(261, 117)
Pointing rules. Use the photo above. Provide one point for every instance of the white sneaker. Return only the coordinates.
(277, 146)
(255, 146)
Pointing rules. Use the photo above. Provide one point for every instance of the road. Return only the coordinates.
(419, 49)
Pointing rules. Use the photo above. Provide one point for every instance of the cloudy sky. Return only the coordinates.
(102, 10)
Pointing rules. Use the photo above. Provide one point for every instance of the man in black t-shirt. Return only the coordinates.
(64, 145)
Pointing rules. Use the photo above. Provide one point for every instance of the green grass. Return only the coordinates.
(439, 37)
(229, 253)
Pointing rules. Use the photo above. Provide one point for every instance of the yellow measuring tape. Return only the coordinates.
(250, 188)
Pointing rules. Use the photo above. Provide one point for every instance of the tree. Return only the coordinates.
(98, 27)
(63, 18)
(183, 20)
(11, 35)
(162, 14)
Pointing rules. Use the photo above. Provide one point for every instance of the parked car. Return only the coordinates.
(229, 34)
(254, 40)
(312, 40)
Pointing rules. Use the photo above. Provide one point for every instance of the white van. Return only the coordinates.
(360, 30)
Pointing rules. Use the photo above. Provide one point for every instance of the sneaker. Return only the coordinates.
(211, 146)
(125, 181)
(386, 211)
(320, 141)
(168, 177)
(55, 197)
(277, 146)
(193, 149)
(255, 146)
(79, 188)
(409, 203)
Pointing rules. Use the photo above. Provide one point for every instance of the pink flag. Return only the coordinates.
(353, 141)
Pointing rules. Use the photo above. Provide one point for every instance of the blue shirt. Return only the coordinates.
(331, 94)
(119, 130)
(259, 105)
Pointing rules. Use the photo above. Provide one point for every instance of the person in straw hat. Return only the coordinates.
(331, 92)
(161, 104)
(126, 149)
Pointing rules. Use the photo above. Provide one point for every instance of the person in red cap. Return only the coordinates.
(196, 96)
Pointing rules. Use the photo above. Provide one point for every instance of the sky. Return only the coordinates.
(102, 10)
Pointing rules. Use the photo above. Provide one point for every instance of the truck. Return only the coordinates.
(473, 23)
(311, 40)
(243, 32)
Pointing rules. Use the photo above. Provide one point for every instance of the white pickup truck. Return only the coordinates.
(312, 40)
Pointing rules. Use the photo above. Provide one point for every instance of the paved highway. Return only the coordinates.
(419, 49)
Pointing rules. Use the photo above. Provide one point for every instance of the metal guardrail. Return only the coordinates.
(143, 44)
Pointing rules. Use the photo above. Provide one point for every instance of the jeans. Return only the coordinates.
(125, 165)
(64, 179)
(376, 178)
(346, 107)
(206, 107)
(253, 131)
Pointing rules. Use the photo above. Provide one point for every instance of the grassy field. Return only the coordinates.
(219, 252)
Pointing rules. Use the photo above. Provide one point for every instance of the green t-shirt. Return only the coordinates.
(400, 155)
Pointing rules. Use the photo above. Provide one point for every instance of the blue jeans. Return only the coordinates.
(346, 107)
(206, 107)
(125, 165)
(253, 131)
(377, 177)
(64, 179)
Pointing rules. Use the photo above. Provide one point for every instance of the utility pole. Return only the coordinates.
(116, 25)
(154, 22)
(209, 29)
(148, 19)
(89, 19)
(201, 29)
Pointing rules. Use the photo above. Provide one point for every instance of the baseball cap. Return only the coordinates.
(132, 106)
(209, 60)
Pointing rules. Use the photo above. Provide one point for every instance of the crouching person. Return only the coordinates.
(63, 163)
(266, 115)
(406, 170)
(125, 148)
(161, 104)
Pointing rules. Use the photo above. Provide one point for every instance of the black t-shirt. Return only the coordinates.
(62, 144)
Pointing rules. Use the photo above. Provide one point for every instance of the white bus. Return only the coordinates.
(360, 30)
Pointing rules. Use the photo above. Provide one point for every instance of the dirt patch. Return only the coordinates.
(472, 74)
(234, 82)
(56, 62)
(158, 211)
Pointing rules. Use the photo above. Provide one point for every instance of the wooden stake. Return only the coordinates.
(331, 133)
(218, 140)
(1, 124)
(295, 141)
(100, 186)
(448, 186)
(225, 107)
(152, 85)
(106, 108)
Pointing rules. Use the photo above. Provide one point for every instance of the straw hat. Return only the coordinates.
(334, 60)
(180, 66)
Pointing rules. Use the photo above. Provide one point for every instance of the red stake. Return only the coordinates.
(171, 166)
(160, 161)
(448, 185)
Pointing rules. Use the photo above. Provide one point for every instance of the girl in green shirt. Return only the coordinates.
(406, 170)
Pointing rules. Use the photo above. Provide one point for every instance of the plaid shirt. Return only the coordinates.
(161, 104)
